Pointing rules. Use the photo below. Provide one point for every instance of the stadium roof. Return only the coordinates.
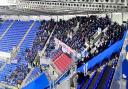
(13, 8)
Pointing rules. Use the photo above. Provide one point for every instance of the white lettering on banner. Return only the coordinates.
(65, 48)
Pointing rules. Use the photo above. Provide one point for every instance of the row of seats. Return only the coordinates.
(13, 74)
(28, 42)
(7, 71)
(4, 26)
(90, 80)
(106, 74)
(108, 82)
(35, 73)
(14, 35)
(98, 80)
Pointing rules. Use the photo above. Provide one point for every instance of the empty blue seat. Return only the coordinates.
(14, 35)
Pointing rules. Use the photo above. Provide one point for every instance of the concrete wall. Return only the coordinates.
(118, 17)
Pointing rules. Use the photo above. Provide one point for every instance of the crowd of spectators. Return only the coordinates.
(88, 27)
(75, 33)
(14, 74)
(78, 31)
(63, 31)
(41, 38)
(114, 33)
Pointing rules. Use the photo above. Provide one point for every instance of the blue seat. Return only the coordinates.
(28, 42)
(14, 35)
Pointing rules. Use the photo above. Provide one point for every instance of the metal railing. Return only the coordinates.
(117, 78)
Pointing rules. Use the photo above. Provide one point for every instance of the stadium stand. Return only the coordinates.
(4, 26)
(13, 74)
(102, 71)
(28, 42)
(113, 34)
(79, 34)
(12, 38)
(36, 72)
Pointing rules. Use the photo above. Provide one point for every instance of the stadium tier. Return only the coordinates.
(100, 78)
(14, 73)
(11, 38)
(4, 26)
(28, 42)
(43, 54)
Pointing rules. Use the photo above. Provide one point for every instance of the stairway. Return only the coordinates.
(22, 40)
(6, 30)
(94, 80)
(105, 76)
(25, 35)
(84, 85)
(46, 44)
(24, 81)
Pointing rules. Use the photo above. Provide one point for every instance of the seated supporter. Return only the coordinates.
(75, 32)
(78, 33)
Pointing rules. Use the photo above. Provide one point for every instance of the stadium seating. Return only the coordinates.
(90, 80)
(4, 26)
(98, 80)
(13, 74)
(105, 74)
(35, 73)
(28, 41)
(76, 38)
(75, 33)
(14, 35)
(108, 82)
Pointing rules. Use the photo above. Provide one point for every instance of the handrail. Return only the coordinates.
(23, 83)
(22, 40)
(118, 69)
(7, 29)
(43, 50)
